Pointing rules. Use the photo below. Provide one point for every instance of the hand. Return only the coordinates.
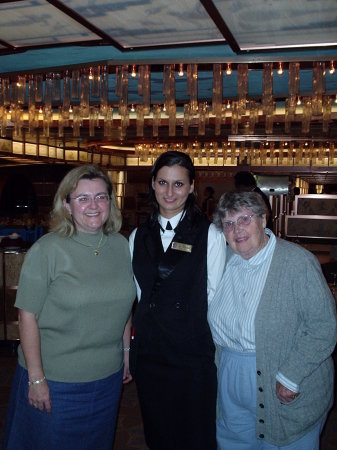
(285, 395)
(38, 396)
(127, 377)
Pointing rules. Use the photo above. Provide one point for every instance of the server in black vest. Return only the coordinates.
(178, 260)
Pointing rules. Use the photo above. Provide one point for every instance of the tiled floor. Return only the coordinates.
(129, 434)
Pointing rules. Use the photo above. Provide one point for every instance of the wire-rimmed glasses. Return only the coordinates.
(242, 221)
(85, 200)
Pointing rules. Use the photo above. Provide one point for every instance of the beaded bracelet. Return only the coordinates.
(32, 383)
(126, 349)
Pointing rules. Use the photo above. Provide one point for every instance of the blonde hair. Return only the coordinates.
(61, 221)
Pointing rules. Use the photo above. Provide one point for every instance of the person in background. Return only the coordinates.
(275, 330)
(75, 296)
(245, 182)
(178, 260)
(208, 204)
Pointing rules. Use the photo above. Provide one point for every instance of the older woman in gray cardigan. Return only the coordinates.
(273, 321)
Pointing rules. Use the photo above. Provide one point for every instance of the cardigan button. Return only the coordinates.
(178, 304)
(261, 405)
(259, 372)
(261, 436)
(260, 389)
(261, 421)
(152, 305)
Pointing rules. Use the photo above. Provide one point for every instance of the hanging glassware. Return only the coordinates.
(95, 81)
(140, 120)
(85, 95)
(47, 120)
(269, 125)
(75, 84)
(156, 120)
(169, 86)
(104, 91)
(38, 87)
(293, 88)
(56, 90)
(306, 116)
(48, 92)
(108, 121)
(253, 116)
(172, 119)
(144, 87)
(318, 87)
(326, 113)
(235, 118)
(242, 88)
(31, 102)
(77, 120)
(192, 86)
(202, 110)
(217, 92)
(66, 95)
(60, 122)
(93, 120)
(17, 118)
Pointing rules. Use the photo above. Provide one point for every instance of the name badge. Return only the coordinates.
(182, 247)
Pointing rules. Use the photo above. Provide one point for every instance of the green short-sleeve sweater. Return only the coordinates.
(82, 303)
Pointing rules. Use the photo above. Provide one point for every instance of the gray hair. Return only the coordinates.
(232, 202)
(61, 221)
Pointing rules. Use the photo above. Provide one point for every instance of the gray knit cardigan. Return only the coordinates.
(295, 333)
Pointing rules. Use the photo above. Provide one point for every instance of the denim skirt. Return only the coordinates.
(83, 415)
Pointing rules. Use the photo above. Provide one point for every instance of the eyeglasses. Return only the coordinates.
(85, 200)
(242, 221)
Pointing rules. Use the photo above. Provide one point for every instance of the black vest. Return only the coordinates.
(170, 322)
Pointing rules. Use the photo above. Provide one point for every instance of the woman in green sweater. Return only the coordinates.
(75, 296)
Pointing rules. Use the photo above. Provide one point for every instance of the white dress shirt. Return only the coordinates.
(231, 315)
(216, 251)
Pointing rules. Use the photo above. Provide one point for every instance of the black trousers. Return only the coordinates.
(178, 405)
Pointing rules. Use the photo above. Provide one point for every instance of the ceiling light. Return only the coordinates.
(70, 109)
(181, 70)
(132, 109)
(229, 69)
(133, 71)
(40, 110)
(228, 106)
(280, 68)
(164, 107)
(331, 68)
(298, 100)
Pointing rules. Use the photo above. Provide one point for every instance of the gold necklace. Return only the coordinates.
(96, 252)
(95, 247)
